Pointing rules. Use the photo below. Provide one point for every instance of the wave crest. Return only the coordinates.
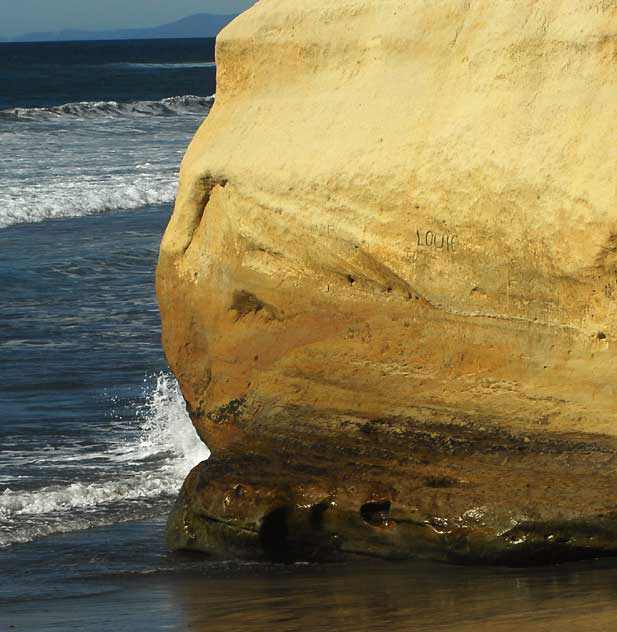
(140, 472)
(86, 198)
(170, 106)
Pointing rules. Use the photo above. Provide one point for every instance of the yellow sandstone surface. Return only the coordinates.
(389, 286)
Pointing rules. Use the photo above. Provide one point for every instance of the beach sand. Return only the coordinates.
(181, 592)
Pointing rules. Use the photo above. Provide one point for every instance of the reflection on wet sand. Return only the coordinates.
(199, 596)
(395, 597)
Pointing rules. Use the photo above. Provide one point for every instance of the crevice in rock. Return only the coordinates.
(274, 535)
(376, 513)
(440, 482)
(204, 185)
(245, 303)
(316, 515)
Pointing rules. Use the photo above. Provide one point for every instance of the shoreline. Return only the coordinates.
(192, 593)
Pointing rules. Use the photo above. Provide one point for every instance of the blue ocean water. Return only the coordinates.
(94, 437)
(93, 127)
(93, 430)
(56, 73)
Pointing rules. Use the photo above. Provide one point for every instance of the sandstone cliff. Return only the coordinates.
(389, 286)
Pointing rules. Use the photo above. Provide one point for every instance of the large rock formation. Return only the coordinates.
(389, 285)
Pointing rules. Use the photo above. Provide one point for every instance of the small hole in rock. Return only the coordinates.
(376, 513)
(316, 515)
(351, 279)
(601, 335)
(274, 533)
(245, 303)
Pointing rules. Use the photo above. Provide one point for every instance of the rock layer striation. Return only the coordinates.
(389, 285)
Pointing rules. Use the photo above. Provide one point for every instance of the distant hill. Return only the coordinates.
(197, 25)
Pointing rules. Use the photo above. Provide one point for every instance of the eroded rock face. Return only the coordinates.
(389, 285)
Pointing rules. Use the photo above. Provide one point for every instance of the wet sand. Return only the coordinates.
(369, 595)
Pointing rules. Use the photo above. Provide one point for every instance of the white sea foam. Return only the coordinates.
(84, 196)
(170, 106)
(86, 158)
(140, 471)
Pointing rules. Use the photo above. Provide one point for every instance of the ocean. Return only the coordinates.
(94, 437)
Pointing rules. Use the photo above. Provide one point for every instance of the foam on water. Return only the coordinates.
(139, 472)
(170, 106)
(85, 196)
(93, 157)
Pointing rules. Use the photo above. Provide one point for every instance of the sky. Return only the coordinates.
(25, 16)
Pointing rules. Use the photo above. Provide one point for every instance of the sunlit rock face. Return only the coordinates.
(389, 286)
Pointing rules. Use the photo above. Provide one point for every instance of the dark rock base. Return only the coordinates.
(438, 492)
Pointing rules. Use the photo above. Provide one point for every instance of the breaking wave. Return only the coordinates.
(85, 197)
(139, 476)
(170, 106)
